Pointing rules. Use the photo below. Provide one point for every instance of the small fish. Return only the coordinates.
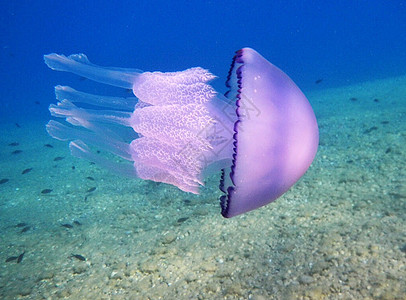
(90, 178)
(77, 223)
(21, 224)
(37, 102)
(79, 257)
(26, 171)
(92, 189)
(18, 125)
(67, 225)
(20, 257)
(353, 99)
(16, 151)
(4, 180)
(58, 158)
(13, 144)
(25, 229)
(11, 258)
(376, 100)
(46, 191)
(318, 81)
(181, 220)
(369, 130)
(48, 146)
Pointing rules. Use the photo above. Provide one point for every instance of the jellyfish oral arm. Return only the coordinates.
(80, 65)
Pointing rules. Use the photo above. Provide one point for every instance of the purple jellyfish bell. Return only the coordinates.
(262, 134)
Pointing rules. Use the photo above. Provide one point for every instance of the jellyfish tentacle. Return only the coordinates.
(79, 149)
(66, 92)
(80, 65)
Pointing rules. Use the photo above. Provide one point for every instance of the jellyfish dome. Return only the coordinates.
(262, 135)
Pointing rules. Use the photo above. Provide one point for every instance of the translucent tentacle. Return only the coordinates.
(79, 149)
(80, 65)
(66, 92)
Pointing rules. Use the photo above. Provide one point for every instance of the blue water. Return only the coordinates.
(340, 42)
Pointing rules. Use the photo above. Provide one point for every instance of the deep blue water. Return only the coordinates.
(341, 42)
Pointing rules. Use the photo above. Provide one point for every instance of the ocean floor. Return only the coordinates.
(71, 230)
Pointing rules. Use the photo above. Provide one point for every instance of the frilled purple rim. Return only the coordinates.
(225, 199)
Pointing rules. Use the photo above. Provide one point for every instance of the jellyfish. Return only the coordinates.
(261, 135)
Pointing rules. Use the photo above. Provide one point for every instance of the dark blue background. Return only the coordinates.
(342, 42)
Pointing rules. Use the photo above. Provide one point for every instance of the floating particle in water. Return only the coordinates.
(4, 180)
(46, 191)
(26, 171)
(79, 257)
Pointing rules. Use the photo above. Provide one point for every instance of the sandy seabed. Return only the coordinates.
(339, 233)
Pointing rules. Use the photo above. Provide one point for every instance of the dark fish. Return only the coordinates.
(58, 158)
(73, 167)
(25, 229)
(385, 122)
(81, 78)
(77, 223)
(11, 258)
(4, 180)
(16, 151)
(46, 191)
(36, 102)
(48, 146)
(318, 81)
(67, 225)
(79, 257)
(26, 171)
(92, 189)
(90, 178)
(21, 224)
(353, 99)
(369, 130)
(376, 100)
(13, 144)
(181, 220)
(18, 125)
(20, 257)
